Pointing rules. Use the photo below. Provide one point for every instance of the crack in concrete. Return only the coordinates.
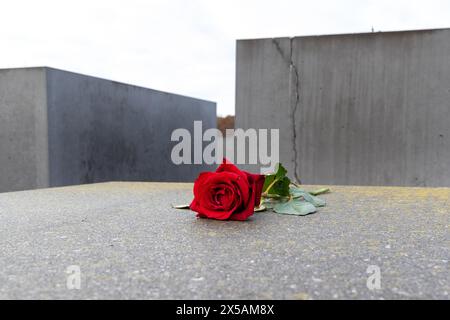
(293, 74)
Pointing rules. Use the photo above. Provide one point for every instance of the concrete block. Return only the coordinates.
(358, 109)
(61, 128)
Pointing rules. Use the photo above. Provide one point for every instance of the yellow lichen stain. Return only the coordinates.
(404, 194)
(369, 197)
(437, 199)
(301, 296)
(261, 244)
(265, 296)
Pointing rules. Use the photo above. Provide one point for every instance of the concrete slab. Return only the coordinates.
(130, 244)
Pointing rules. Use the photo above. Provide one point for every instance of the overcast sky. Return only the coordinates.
(183, 46)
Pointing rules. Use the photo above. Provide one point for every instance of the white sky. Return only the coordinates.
(183, 46)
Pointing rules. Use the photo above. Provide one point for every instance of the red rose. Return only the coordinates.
(227, 194)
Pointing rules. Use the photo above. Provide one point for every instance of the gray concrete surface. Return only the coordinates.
(23, 130)
(352, 109)
(61, 128)
(130, 244)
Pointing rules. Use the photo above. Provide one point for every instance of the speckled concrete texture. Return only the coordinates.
(130, 244)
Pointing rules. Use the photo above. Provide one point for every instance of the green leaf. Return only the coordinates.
(280, 172)
(268, 181)
(180, 206)
(269, 203)
(298, 207)
(297, 193)
(277, 183)
(281, 187)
